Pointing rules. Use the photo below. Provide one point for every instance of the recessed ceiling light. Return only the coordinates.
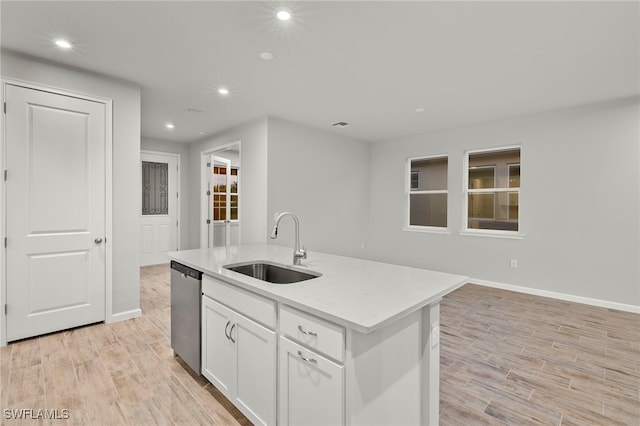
(284, 13)
(63, 44)
(267, 56)
(170, 126)
(223, 91)
(419, 109)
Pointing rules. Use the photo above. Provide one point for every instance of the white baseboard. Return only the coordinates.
(122, 316)
(561, 296)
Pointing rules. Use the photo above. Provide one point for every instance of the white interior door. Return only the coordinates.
(159, 211)
(55, 212)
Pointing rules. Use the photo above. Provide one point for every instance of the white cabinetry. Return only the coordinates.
(311, 387)
(326, 374)
(332, 376)
(238, 353)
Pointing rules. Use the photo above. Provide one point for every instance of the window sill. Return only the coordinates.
(426, 229)
(492, 234)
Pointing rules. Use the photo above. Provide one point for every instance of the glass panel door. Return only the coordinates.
(221, 190)
(155, 188)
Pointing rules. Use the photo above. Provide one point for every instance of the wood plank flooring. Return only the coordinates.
(511, 358)
(112, 374)
(506, 358)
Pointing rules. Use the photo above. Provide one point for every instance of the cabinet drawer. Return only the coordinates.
(251, 305)
(318, 334)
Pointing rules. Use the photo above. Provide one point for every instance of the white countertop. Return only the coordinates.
(358, 294)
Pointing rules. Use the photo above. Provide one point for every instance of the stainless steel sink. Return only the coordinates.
(272, 272)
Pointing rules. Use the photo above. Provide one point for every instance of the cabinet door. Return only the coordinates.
(217, 347)
(311, 387)
(255, 359)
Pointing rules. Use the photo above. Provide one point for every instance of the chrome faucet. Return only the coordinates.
(298, 253)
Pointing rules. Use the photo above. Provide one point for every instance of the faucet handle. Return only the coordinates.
(301, 253)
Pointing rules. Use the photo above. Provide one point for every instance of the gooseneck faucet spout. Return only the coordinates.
(298, 253)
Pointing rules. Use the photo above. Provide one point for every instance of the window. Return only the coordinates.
(514, 182)
(220, 193)
(427, 192)
(415, 180)
(493, 190)
(155, 188)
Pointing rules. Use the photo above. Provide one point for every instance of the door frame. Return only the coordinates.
(204, 185)
(178, 173)
(108, 159)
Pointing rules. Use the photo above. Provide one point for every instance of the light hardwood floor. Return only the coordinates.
(506, 358)
(511, 358)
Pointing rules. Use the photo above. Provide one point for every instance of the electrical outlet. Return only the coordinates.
(514, 263)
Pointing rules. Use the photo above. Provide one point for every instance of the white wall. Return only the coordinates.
(580, 203)
(253, 174)
(322, 178)
(126, 162)
(230, 154)
(150, 144)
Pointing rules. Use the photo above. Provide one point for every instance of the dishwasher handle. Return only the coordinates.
(186, 271)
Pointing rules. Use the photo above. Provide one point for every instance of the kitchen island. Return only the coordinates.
(357, 345)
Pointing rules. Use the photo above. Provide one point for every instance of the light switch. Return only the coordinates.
(435, 334)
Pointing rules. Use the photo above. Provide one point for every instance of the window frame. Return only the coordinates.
(466, 191)
(228, 195)
(408, 192)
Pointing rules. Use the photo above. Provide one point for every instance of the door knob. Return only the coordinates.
(98, 240)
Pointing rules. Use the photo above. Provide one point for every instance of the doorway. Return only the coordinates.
(221, 200)
(160, 207)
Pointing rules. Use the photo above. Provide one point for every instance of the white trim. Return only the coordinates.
(559, 296)
(123, 316)
(429, 191)
(490, 191)
(3, 231)
(494, 149)
(426, 229)
(108, 317)
(472, 232)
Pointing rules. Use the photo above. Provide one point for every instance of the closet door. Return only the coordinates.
(55, 211)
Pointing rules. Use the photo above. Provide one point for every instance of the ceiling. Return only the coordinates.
(371, 64)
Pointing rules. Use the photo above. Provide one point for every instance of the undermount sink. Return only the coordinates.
(272, 272)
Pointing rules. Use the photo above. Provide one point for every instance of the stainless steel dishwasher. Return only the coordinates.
(186, 295)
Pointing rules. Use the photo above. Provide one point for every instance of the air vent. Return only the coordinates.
(194, 110)
(340, 124)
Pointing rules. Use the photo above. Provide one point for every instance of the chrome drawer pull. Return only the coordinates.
(307, 359)
(308, 333)
(225, 330)
(231, 331)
